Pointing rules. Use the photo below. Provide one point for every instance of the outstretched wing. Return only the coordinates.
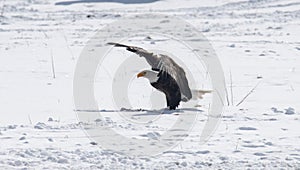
(163, 63)
(129, 48)
(168, 65)
(151, 58)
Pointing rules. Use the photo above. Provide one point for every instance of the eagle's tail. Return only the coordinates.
(198, 94)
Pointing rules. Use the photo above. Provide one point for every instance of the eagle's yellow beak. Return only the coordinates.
(141, 74)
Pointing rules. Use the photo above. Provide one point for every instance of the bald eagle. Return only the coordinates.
(166, 75)
(165, 83)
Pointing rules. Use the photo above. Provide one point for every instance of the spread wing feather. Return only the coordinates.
(168, 65)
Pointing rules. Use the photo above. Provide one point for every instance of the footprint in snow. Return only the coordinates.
(247, 128)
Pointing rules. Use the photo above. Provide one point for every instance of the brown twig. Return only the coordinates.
(251, 91)
(29, 118)
(52, 57)
(52, 65)
(226, 91)
(231, 88)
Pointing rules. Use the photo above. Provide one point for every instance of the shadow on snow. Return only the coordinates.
(147, 112)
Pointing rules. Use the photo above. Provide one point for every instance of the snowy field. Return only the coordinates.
(257, 42)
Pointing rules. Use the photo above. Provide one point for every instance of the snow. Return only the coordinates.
(257, 43)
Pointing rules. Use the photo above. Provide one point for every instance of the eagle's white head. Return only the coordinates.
(151, 75)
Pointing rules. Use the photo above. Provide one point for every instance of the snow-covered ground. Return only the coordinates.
(256, 41)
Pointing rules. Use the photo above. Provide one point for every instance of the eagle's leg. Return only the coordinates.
(169, 106)
(172, 107)
(168, 103)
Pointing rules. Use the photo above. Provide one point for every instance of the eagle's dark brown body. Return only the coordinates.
(167, 84)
